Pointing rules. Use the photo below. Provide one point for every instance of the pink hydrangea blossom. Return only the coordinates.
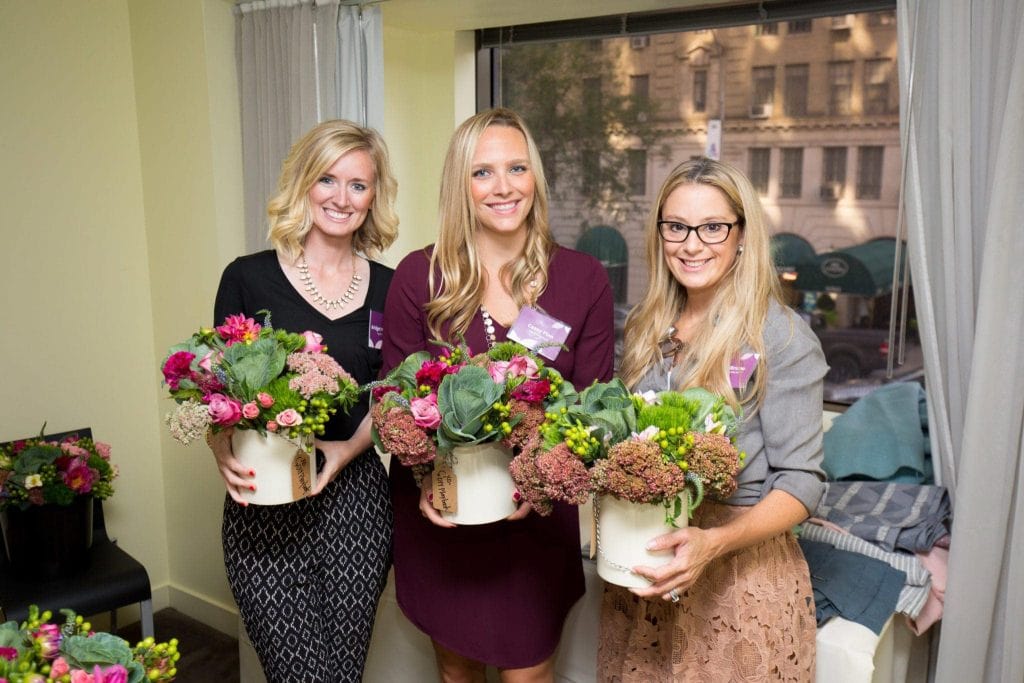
(424, 412)
(313, 342)
(239, 329)
(103, 449)
(288, 418)
(317, 372)
(224, 411)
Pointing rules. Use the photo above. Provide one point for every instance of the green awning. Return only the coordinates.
(865, 269)
(789, 251)
(606, 244)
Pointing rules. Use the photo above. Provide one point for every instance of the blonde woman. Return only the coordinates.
(735, 601)
(495, 594)
(307, 575)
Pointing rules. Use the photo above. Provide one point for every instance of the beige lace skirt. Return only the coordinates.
(749, 617)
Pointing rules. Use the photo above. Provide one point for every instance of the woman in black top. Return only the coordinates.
(307, 575)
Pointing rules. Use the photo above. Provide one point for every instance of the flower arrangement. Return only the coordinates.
(37, 651)
(643, 449)
(430, 404)
(248, 375)
(41, 472)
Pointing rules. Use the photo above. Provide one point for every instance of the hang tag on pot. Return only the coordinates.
(301, 484)
(445, 487)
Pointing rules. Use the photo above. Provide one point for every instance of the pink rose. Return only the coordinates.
(522, 365)
(289, 418)
(224, 411)
(265, 399)
(424, 412)
(79, 676)
(250, 410)
(271, 426)
(59, 667)
(313, 342)
(207, 362)
(498, 370)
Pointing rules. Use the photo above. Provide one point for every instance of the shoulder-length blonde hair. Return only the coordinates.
(291, 216)
(456, 298)
(737, 315)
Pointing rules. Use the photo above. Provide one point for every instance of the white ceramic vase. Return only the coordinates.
(483, 483)
(623, 531)
(285, 469)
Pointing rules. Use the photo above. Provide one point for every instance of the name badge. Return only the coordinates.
(376, 332)
(741, 368)
(539, 332)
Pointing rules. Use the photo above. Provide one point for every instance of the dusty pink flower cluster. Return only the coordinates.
(635, 470)
(400, 436)
(317, 372)
(716, 461)
(546, 476)
(532, 416)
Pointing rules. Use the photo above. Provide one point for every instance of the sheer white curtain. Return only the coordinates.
(300, 62)
(962, 83)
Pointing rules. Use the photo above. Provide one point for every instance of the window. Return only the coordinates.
(592, 93)
(764, 85)
(770, 28)
(799, 26)
(840, 81)
(884, 18)
(637, 171)
(869, 172)
(792, 172)
(700, 90)
(590, 169)
(833, 172)
(759, 168)
(876, 86)
(639, 87)
(796, 89)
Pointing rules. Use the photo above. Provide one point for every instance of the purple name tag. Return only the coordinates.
(376, 338)
(740, 370)
(539, 332)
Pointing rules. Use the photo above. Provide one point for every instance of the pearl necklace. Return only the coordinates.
(314, 292)
(488, 327)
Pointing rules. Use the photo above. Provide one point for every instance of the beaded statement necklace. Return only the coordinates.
(314, 292)
(489, 321)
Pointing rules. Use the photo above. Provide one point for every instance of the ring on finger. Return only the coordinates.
(673, 595)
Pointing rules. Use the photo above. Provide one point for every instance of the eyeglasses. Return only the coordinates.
(708, 233)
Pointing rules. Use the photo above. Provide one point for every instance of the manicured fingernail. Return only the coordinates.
(516, 496)
(252, 487)
(245, 504)
(430, 497)
(252, 473)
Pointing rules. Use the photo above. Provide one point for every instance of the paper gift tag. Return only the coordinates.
(539, 332)
(301, 485)
(445, 488)
(741, 368)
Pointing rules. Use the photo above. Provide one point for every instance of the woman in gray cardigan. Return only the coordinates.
(735, 601)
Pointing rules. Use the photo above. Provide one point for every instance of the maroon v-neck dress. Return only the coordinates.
(497, 593)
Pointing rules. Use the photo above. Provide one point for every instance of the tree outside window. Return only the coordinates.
(796, 89)
(840, 80)
(637, 171)
(792, 172)
(869, 172)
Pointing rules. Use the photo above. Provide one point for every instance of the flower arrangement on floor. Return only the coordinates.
(248, 375)
(430, 404)
(37, 651)
(642, 449)
(42, 472)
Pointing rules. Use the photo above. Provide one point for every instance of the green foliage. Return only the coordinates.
(253, 366)
(464, 400)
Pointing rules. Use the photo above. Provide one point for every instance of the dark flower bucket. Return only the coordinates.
(48, 541)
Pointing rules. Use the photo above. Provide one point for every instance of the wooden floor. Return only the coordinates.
(207, 655)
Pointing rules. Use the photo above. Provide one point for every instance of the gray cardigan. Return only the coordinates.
(782, 439)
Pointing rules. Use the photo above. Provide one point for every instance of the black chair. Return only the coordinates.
(110, 579)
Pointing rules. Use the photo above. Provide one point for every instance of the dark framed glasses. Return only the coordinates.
(708, 233)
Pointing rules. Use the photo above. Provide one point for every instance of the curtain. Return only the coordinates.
(300, 62)
(964, 165)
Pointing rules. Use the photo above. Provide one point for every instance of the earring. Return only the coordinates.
(739, 250)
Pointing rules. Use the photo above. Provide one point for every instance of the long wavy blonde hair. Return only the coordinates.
(291, 217)
(457, 297)
(735, 321)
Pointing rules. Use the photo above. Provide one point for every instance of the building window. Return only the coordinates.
(833, 172)
(792, 172)
(760, 168)
(796, 89)
(883, 18)
(764, 85)
(637, 171)
(869, 172)
(799, 26)
(700, 90)
(876, 86)
(770, 28)
(640, 87)
(840, 83)
(592, 94)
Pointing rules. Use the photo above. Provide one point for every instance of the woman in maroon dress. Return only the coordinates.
(495, 594)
